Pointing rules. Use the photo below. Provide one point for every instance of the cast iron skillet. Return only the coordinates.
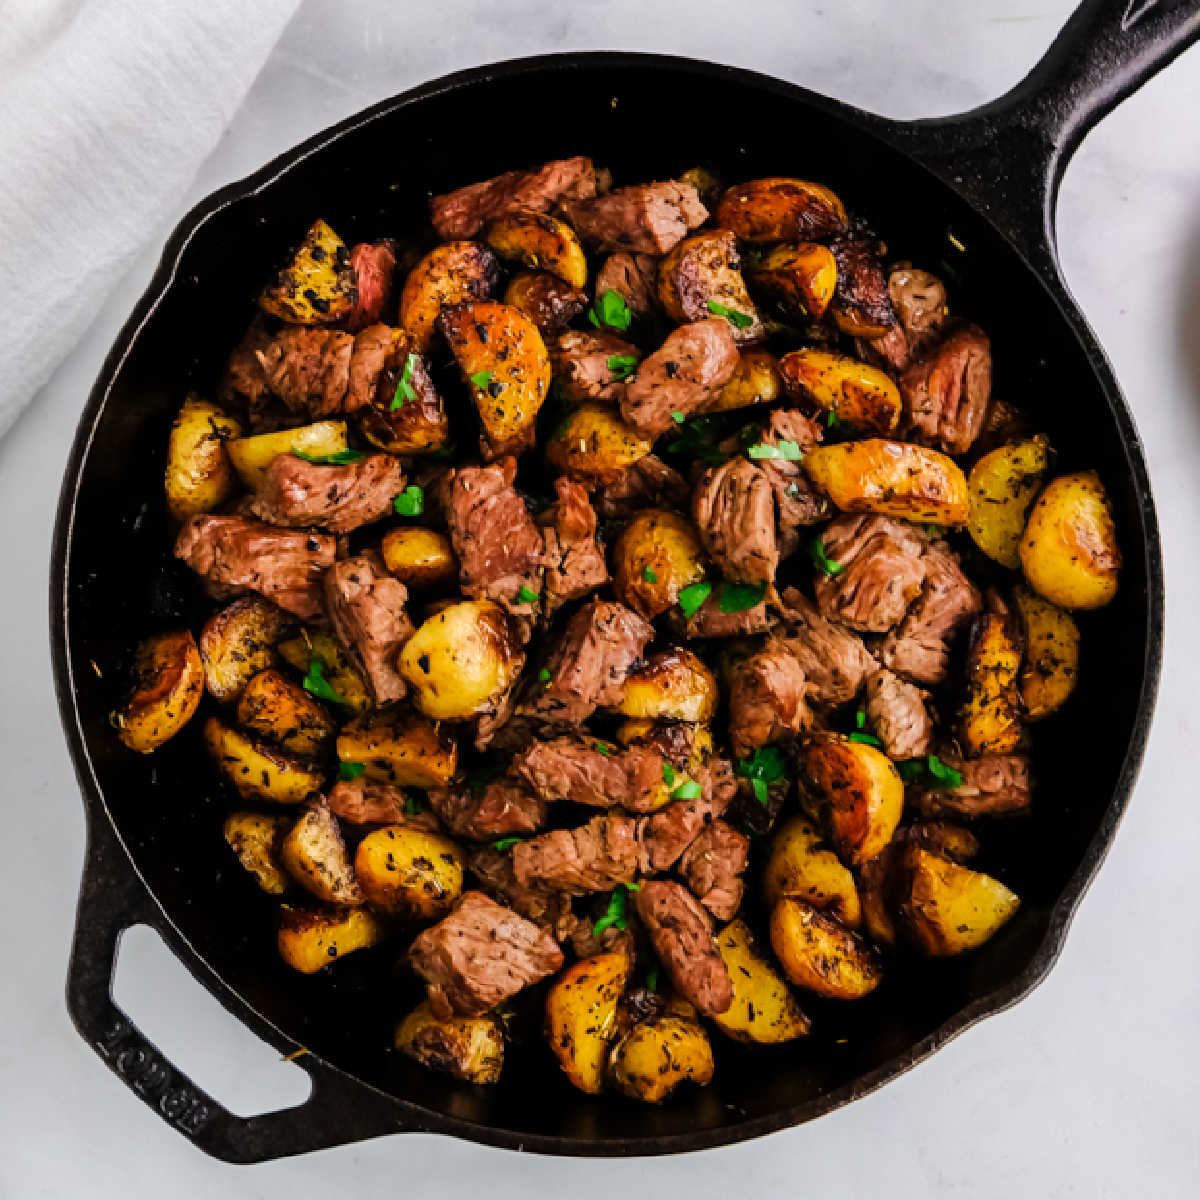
(989, 176)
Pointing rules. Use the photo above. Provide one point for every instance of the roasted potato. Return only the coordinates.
(581, 1017)
(948, 908)
(410, 872)
(780, 210)
(314, 855)
(199, 475)
(504, 360)
(990, 722)
(763, 1010)
(540, 242)
(299, 652)
(399, 748)
(657, 555)
(405, 413)
(257, 770)
(801, 865)
(859, 792)
(896, 479)
(594, 443)
(281, 711)
(1001, 487)
(1069, 548)
(672, 685)
(800, 277)
(545, 299)
(317, 286)
(239, 642)
(819, 954)
(251, 456)
(852, 391)
(461, 660)
(755, 380)
(469, 1048)
(168, 684)
(1051, 655)
(705, 269)
(256, 839)
(419, 558)
(654, 1057)
(708, 186)
(448, 274)
(310, 939)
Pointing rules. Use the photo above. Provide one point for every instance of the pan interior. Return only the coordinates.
(373, 181)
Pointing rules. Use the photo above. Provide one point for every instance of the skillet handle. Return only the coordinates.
(112, 898)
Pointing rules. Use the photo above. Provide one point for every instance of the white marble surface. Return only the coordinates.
(1089, 1087)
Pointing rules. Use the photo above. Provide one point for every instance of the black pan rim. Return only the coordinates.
(411, 1116)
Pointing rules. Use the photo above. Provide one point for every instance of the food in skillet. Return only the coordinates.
(630, 604)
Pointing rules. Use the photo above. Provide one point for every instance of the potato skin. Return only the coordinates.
(256, 839)
(251, 456)
(461, 660)
(595, 444)
(667, 546)
(990, 721)
(763, 1009)
(755, 380)
(398, 748)
(311, 939)
(539, 242)
(410, 872)
(448, 274)
(895, 479)
(239, 642)
(1051, 664)
(314, 855)
(800, 277)
(257, 770)
(469, 1048)
(419, 558)
(800, 864)
(853, 391)
(656, 1056)
(419, 424)
(346, 681)
(168, 684)
(581, 1017)
(704, 269)
(1002, 485)
(281, 711)
(819, 954)
(673, 685)
(317, 286)
(199, 475)
(1069, 549)
(778, 209)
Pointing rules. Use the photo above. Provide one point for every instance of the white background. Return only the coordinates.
(1089, 1087)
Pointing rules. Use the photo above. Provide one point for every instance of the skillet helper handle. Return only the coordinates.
(112, 899)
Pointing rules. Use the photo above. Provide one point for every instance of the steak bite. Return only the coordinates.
(590, 858)
(834, 660)
(340, 498)
(919, 301)
(633, 277)
(308, 369)
(373, 265)
(464, 212)
(581, 363)
(712, 867)
(541, 905)
(995, 785)
(897, 714)
(666, 834)
(681, 933)
(364, 801)
(766, 699)
(708, 621)
(284, 565)
(798, 502)
(366, 607)
(647, 483)
(574, 563)
(502, 808)
(734, 510)
(946, 391)
(586, 771)
(548, 301)
(480, 955)
(645, 218)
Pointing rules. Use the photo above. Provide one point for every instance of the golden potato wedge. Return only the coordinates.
(802, 865)
(1001, 487)
(546, 300)
(504, 360)
(1069, 549)
(800, 277)
(310, 939)
(405, 413)
(1051, 664)
(410, 872)
(199, 476)
(595, 444)
(860, 395)
(300, 651)
(819, 954)
(419, 558)
(990, 721)
(239, 642)
(469, 1048)
(859, 791)
(256, 839)
(947, 908)
(763, 1010)
(896, 479)
(257, 770)
(399, 748)
(461, 660)
(168, 684)
(540, 242)
(314, 855)
(705, 269)
(317, 286)
(448, 274)
(281, 711)
(755, 380)
(581, 1017)
(672, 685)
(656, 1056)
(777, 209)
(657, 555)
(251, 456)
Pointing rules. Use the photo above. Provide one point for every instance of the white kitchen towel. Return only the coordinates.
(107, 110)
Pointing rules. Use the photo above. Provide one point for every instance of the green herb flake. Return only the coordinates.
(765, 765)
(412, 806)
(350, 770)
(544, 675)
(739, 320)
(649, 576)
(825, 564)
(761, 792)
(911, 770)
(343, 458)
(936, 531)
(668, 774)
(693, 596)
(835, 424)
(317, 685)
(740, 597)
(860, 719)
(482, 378)
(782, 449)
(527, 596)
(601, 748)
(404, 388)
(621, 366)
(610, 309)
(931, 772)
(410, 502)
(614, 914)
(678, 417)
(866, 739)
(652, 979)
(506, 843)
(688, 790)
(948, 777)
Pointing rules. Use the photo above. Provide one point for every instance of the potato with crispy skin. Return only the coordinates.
(763, 1009)
(420, 558)
(755, 380)
(658, 554)
(405, 414)
(581, 1017)
(657, 1055)
(593, 442)
(256, 839)
(199, 475)
(258, 770)
(801, 864)
(800, 277)
(314, 855)
(705, 269)
(1051, 664)
(240, 641)
(851, 391)
(251, 456)
(310, 939)
(549, 302)
(777, 209)
(317, 286)
(403, 749)
(819, 954)
(469, 1048)
(410, 872)
(672, 685)
(1001, 486)
(281, 711)
(300, 652)
(540, 242)
(168, 683)
(990, 722)
(448, 274)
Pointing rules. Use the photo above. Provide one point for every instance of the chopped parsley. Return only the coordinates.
(931, 772)
(860, 719)
(527, 595)
(668, 774)
(835, 424)
(506, 843)
(782, 449)
(688, 790)
(693, 596)
(678, 417)
(410, 502)
(652, 979)
(412, 806)
(317, 685)
(614, 914)
(621, 366)
(610, 309)
(601, 748)
(763, 767)
(945, 775)
(343, 458)
(697, 439)
(482, 378)
(404, 388)
(825, 564)
(739, 320)
(649, 576)
(350, 770)
(739, 597)
(936, 531)
(544, 675)
(867, 739)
